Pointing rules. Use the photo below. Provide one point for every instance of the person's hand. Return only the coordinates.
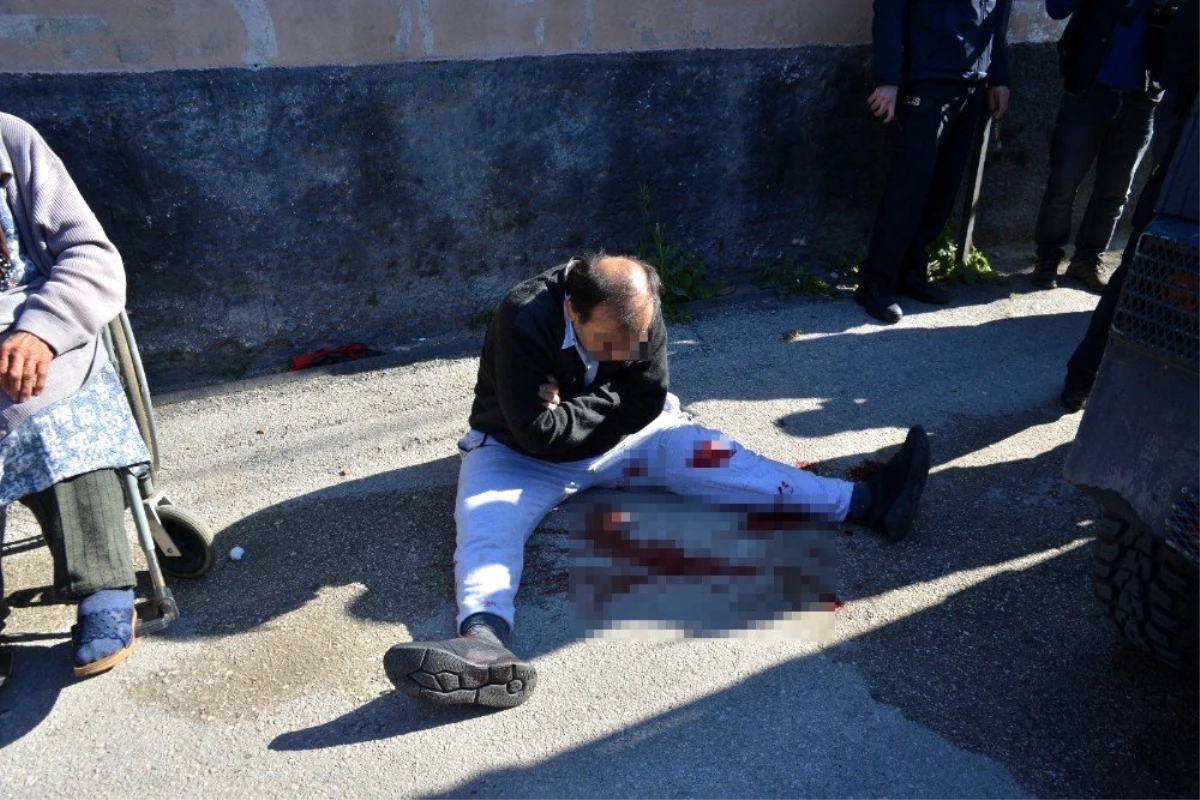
(24, 363)
(883, 102)
(998, 101)
(549, 393)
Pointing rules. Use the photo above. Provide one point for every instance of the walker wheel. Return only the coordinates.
(193, 538)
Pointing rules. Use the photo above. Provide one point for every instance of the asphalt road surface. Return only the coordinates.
(967, 661)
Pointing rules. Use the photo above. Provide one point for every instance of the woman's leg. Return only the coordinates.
(83, 520)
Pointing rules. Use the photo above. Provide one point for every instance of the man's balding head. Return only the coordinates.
(622, 283)
(612, 300)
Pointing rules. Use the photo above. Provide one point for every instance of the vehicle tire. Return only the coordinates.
(1149, 591)
(193, 538)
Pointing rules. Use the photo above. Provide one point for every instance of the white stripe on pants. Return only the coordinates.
(503, 494)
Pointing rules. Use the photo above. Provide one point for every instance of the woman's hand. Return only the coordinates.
(24, 363)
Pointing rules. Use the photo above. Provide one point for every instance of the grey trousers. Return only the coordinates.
(83, 522)
(1105, 127)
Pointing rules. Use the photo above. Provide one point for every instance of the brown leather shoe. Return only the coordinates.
(1087, 273)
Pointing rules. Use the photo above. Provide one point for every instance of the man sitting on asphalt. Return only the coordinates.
(572, 394)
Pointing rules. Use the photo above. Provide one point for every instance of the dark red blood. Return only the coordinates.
(636, 469)
(605, 531)
(864, 470)
(710, 455)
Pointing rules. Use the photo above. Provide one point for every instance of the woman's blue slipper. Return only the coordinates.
(104, 632)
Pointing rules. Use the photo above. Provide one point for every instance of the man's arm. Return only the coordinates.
(627, 403)
(642, 386)
(86, 287)
(998, 75)
(887, 32)
(522, 365)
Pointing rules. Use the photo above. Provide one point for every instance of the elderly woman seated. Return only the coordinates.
(65, 425)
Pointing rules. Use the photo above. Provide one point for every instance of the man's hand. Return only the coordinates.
(24, 363)
(549, 393)
(883, 102)
(998, 101)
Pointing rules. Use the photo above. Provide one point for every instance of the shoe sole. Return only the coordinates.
(443, 678)
(899, 519)
(108, 662)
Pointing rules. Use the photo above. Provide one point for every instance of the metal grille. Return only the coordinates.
(1183, 526)
(1161, 299)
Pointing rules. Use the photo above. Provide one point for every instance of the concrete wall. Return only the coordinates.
(120, 35)
(282, 208)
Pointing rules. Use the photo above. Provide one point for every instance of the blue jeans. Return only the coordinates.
(1106, 127)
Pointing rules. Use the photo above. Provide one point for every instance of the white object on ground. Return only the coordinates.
(237, 553)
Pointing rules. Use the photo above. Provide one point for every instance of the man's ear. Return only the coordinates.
(572, 314)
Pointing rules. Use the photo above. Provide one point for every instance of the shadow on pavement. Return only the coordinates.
(985, 668)
(40, 672)
(387, 716)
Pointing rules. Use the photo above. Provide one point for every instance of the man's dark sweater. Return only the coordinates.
(940, 40)
(524, 345)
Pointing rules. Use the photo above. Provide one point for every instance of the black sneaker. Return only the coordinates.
(897, 487)
(460, 672)
(1087, 273)
(926, 292)
(879, 305)
(1045, 274)
(1074, 398)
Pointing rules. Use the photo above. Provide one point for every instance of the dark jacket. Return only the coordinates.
(1181, 58)
(941, 40)
(524, 345)
(1086, 40)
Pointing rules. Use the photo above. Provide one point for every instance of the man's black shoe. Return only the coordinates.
(879, 305)
(1074, 398)
(926, 292)
(897, 487)
(1045, 274)
(468, 670)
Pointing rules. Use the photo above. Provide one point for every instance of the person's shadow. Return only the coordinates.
(40, 671)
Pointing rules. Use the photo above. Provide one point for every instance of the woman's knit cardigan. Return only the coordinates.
(80, 284)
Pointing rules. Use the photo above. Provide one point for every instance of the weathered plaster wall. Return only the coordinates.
(290, 208)
(397, 165)
(82, 35)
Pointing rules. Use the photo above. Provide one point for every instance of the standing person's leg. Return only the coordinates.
(1078, 132)
(502, 496)
(83, 520)
(915, 132)
(963, 114)
(1125, 141)
(1085, 361)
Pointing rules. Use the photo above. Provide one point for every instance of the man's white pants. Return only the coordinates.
(503, 494)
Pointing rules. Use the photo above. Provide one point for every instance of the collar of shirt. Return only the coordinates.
(590, 365)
